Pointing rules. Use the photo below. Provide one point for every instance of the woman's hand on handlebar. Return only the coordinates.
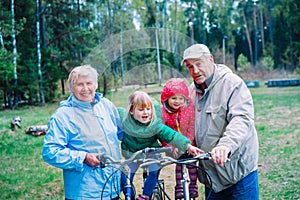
(92, 160)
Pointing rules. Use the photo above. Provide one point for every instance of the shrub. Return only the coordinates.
(243, 63)
(267, 63)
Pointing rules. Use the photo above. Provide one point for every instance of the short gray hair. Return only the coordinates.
(84, 70)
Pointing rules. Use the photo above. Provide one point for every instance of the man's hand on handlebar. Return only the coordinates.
(220, 154)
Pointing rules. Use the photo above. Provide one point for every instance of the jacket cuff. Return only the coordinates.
(79, 160)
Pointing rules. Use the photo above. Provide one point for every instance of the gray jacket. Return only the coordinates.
(224, 115)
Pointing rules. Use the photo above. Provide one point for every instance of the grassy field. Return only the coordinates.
(24, 175)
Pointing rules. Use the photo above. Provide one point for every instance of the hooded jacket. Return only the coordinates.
(78, 128)
(138, 136)
(185, 114)
(224, 115)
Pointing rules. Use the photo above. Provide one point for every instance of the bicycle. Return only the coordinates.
(166, 160)
(159, 193)
(141, 156)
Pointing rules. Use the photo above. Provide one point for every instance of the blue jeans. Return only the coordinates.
(246, 189)
(151, 180)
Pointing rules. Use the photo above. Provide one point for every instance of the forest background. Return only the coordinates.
(138, 41)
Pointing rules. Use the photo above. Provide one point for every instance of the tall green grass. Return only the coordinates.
(24, 175)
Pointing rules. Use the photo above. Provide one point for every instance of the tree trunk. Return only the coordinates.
(1, 39)
(157, 47)
(62, 80)
(175, 41)
(40, 74)
(248, 38)
(262, 29)
(271, 28)
(104, 85)
(14, 43)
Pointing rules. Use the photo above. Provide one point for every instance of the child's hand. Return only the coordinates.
(194, 151)
(175, 153)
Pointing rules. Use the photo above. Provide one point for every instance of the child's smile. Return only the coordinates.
(142, 115)
(176, 101)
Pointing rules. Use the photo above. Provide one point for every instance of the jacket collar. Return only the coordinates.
(73, 101)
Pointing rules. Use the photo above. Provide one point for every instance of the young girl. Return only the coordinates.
(143, 128)
(178, 113)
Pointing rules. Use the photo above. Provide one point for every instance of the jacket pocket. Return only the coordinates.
(217, 118)
(203, 176)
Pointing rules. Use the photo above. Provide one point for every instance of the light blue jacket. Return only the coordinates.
(78, 128)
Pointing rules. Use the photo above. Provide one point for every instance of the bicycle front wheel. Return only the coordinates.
(156, 195)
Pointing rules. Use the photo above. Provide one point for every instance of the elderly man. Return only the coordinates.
(224, 126)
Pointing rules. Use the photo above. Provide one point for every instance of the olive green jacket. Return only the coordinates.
(224, 115)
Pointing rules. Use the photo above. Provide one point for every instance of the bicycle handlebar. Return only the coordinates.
(162, 161)
(166, 160)
(157, 150)
(106, 159)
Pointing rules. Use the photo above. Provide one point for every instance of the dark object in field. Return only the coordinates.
(37, 130)
(15, 122)
(283, 83)
(252, 84)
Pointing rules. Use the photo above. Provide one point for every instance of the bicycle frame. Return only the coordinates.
(184, 163)
(185, 181)
(159, 188)
(108, 160)
(128, 186)
(164, 161)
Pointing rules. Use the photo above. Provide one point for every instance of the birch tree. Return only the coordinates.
(14, 44)
(38, 47)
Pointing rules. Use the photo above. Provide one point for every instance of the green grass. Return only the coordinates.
(278, 125)
(24, 175)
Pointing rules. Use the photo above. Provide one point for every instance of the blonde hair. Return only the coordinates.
(142, 100)
(84, 70)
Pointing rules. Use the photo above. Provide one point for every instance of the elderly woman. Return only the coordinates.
(83, 126)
